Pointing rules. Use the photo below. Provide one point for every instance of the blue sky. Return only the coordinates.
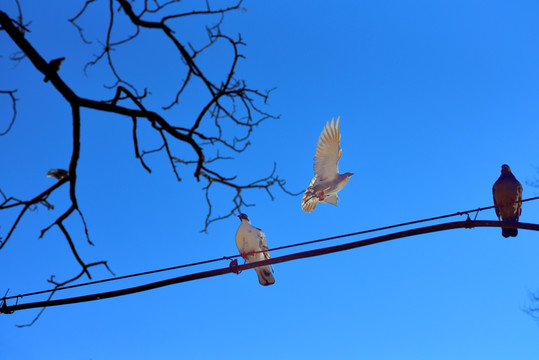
(433, 97)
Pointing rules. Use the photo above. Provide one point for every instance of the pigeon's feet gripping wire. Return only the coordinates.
(234, 266)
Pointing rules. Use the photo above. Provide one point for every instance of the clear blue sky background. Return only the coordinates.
(434, 96)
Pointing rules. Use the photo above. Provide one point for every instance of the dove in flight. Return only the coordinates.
(327, 181)
(507, 193)
(251, 243)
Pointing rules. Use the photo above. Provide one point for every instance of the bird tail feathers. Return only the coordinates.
(507, 232)
(264, 275)
(310, 200)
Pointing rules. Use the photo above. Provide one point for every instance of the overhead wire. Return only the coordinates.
(149, 272)
(468, 223)
(467, 212)
(458, 213)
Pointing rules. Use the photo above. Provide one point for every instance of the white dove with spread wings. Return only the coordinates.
(327, 181)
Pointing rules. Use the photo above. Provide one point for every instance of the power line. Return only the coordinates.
(300, 255)
(458, 213)
(149, 272)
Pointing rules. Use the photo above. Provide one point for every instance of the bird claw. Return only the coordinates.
(321, 196)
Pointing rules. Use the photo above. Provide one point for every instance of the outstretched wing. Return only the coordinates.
(328, 152)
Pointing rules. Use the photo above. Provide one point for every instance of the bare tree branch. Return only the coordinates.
(74, 19)
(10, 93)
(11, 202)
(225, 103)
(58, 285)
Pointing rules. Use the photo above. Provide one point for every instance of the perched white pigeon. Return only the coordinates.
(327, 181)
(507, 193)
(250, 241)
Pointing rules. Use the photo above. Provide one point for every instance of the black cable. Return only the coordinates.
(272, 249)
(301, 255)
(119, 277)
(393, 226)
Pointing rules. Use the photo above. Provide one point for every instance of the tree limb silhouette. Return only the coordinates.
(228, 102)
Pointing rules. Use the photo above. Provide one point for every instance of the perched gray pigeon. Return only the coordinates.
(58, 173)
(327, 181)
(54, 65)
(249, 241)
(507, 193)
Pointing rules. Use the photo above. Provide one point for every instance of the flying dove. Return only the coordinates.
(327, 181)
(54, 65)
(507, 193)
(250, 241)
(58, 173)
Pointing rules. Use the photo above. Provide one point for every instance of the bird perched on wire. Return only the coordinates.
(58, 173)
(507, 193)
(54, 66)
(327, 181)
(251, 243)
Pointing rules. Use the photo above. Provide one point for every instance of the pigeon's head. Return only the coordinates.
(343, 180)
(345, 177)
(506, 169)
(244, 217)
